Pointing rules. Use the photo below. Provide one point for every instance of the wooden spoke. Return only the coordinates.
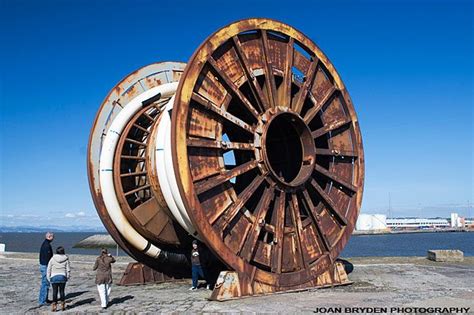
(296, 219)
(308, 83)
(316, 220)
(335, 178)
(279, 211)
(260, 212)
(133, 174)
(317, 106)
(234, 88)
(335, 152)
(136, 190)
(329, 202)
(221, 112)
(224, 145)
(231, 211)
(254, 86)
(269, 78)
(212, 182)
(288, 73)
(330, 127)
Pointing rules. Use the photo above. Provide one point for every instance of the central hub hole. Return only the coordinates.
(284, 147)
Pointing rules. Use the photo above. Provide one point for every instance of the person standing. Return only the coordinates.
(45, 254)
(58, 274)
(103, 278)
(196, 265)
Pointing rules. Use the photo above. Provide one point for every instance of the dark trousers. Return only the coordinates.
(61, 287)
(197, 271)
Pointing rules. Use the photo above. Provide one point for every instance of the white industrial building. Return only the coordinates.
(371, 222)
(417, 223)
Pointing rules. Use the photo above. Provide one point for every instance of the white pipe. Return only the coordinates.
(166, 174)
(106, 167)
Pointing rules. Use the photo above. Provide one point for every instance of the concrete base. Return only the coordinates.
(229, 285)
(445, 255)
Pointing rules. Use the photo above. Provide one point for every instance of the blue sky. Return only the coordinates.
(408, 66)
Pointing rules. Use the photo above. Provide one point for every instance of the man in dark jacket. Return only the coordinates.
(198, 262)
(46, 252)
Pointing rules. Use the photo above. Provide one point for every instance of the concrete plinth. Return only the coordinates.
(451, 255)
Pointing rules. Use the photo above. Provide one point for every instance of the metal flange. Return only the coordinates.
(267, 152)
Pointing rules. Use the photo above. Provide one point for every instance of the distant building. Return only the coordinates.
(371, 222)
(469, 223)
(417, 223)
(456, 221)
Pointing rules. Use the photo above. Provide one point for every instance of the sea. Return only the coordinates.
(410, 244)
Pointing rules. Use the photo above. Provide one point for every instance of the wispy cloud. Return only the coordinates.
(56, 218)
(80, 214)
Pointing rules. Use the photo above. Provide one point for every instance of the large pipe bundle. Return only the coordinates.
(253, 147)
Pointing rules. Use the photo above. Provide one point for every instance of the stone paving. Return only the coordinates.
(378, 282)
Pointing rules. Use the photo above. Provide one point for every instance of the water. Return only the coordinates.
(416, 244)
(31, 242)
(413, 244)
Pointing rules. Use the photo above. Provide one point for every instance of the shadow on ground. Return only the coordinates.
(74, 294)
(121, 299)
(81, 302)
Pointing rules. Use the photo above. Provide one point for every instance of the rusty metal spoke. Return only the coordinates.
(259, 221)
(329, 202)
(229, 213)
(223, 145)
(233, 88)
(279, 212)
(141, 128)
(335, 178)
(330, 127)
(336, 152)
(136, 190)
(288, 75)
(317, 106)
(212, 182)
(316, 220)
(132, 157)
(251, 79)
(149, 117)
(269, 78)
(296, 219)
(133, 174)
(207, 104)
(139, 143)
(308, 83)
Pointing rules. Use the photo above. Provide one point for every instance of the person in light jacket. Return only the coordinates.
(103, 278)
(58, 274)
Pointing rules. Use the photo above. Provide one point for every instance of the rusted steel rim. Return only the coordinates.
(132, 85)
(267, 152)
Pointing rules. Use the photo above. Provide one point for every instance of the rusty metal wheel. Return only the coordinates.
(118, 98)
(267, 153)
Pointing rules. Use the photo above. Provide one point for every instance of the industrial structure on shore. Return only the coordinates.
(380, 222)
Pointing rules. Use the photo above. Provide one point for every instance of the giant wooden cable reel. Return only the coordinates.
(253, 147)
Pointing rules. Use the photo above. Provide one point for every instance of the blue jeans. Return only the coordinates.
(43, 294)
(197, 271)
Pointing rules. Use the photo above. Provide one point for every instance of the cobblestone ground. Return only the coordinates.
(378, 282)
